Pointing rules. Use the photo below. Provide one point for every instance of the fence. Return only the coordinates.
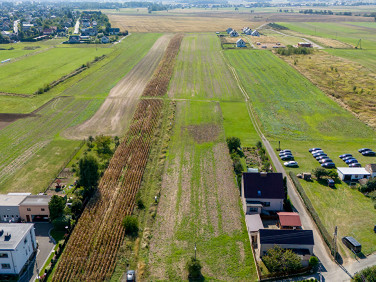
(324, 232)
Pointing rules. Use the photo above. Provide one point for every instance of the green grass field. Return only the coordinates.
(292, 110)
(199, 203)
(27, 75)
(346, 32)
(366, 58)
(200, 71)
(26, 141)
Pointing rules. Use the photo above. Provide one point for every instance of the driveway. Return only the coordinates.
(45, 246)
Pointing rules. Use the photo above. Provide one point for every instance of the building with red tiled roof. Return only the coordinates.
(289, 220)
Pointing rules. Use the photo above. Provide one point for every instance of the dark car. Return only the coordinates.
(352, 244)
(351, 161)
(323, 161)
(317, 151)
(287, 158)
(131, 275)
(330, 182)
(314, 149)
(345, 156)
(355, 165)
(319, 154)
(348, 158)
(369, 153)
(322, 157)
(285, 151)
(318, 157)
(363, 150)
(328, 165)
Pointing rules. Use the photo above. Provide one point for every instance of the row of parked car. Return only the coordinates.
(367, 152)
(350, 160)
(286, 155)
(322, 158)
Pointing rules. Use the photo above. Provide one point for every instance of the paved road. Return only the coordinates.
(45, 246)
(77, 27)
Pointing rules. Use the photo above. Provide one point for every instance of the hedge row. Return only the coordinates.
(324, 232)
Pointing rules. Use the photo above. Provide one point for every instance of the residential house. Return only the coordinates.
(255, 33)
(105, 40)
(9, 207)
(27, 26)
(48, 31)
(300, 242)
(234, 33)
(247, 31)
(35, 208)
(240, 43)
(89, 31)
(229, 30)
(289, 220)
(352, 173)
(74, 39)
(17, 246)
(114, 31)
(262, 192)
(371, 168)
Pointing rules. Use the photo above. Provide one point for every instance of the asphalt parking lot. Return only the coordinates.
(45, 246)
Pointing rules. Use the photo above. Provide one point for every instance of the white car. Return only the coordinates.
(291, 163)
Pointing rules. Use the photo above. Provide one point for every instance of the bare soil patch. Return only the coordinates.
(116, 112)
(204, 132)
(6, 119)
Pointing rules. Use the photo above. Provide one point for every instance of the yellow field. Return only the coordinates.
(145, 23)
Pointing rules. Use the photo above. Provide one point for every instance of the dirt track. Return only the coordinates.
(113, 116)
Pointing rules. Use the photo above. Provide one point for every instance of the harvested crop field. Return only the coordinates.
(116, 112)
(201, 72)
(350, 83)
(199, 203)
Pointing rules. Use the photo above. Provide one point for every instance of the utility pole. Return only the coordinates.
(195, 251)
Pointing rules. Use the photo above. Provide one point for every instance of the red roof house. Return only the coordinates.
(289, 220)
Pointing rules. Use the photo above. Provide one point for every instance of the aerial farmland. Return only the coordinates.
(140, 125)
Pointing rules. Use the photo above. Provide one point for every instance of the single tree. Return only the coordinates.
(281, 260)
(320, 172)
(76, 206)
(233, 144)
(88, 174)
(194, 268)
(130, 224)
(56, 206)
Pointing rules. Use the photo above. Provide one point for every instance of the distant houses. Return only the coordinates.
(229, 30)
(247, 30)
(255, 33)
(305, 44)
(240, 43)
(105, 40)
(73, 39)
(234, 33)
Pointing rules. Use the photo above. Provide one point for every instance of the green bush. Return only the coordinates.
(194, 268)
(61, 222)
(368, 274)
(281, 260)
(313, 261)
(130, 224)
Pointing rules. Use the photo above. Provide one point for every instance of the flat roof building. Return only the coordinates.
(352, 173)
(35, 208)
(17, 246)
(9, 207)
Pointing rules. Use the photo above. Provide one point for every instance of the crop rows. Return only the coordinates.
(90, 254)
(158, 85)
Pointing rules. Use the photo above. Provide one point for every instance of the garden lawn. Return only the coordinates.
(292, 110)
(28, 75)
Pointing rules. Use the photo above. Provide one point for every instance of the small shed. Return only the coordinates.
(289, 220)
(240, 43)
